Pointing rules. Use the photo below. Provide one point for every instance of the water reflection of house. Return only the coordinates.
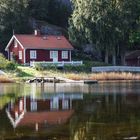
(48, 110)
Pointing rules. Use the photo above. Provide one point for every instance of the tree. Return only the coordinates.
(106, 23)
(14, 16)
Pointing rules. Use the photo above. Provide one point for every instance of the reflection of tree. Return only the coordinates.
(111, 118)
(5, 99)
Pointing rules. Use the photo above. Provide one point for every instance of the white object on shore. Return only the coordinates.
(131, 138)
(2, 73)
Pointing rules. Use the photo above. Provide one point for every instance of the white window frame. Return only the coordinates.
(20, 54)
(64, 54)
(51, 54)
(11, 56)
(33, 54)
(15, 43)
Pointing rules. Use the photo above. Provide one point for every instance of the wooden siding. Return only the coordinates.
(15, 51)
(44, 55)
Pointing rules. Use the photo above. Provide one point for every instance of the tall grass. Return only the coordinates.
(104, 76)
(5, 79)
(27, 72)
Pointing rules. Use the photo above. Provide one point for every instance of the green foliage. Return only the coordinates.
(95, 63)
(17, 14)
(80, 68)
(106, 23)
(135, 38)
(86, 67)
(43, 66)
(5, 64)
(10, 65)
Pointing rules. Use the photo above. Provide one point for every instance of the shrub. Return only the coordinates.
(3, 61)
(44, 66)
(5, 64)
(10, 65)
(80, 68)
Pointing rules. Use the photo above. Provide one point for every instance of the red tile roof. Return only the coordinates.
(44, 42)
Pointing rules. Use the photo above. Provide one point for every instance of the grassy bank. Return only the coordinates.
(24, 73)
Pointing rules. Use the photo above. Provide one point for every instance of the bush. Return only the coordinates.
(5, 64)
(86, 67)
(44, 66)
(80, 68)
(95, 63)
(10, 65)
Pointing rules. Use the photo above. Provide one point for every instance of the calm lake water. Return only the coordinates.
(104, 111)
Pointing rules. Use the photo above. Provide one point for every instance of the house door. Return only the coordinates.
(55, 56)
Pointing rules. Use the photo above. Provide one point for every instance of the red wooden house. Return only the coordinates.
(27, 48)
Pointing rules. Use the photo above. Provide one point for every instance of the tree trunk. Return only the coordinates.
(122, 58)
(114, 57)
(106, 56)
(114, 60)
(123, 55)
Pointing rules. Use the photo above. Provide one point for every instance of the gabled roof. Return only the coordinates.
(133, 55)
(41, 42)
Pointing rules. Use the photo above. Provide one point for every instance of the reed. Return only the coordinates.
(104, 76)
(5, 79)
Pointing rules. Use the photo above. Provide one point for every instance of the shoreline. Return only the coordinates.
(22, 74)
(67, 80)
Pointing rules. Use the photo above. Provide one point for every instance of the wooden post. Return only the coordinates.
(54, 80)
(36, 126)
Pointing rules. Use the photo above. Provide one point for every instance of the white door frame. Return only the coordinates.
(54, 56)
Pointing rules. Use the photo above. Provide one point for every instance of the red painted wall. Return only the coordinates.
(15, 51)
(44, 55)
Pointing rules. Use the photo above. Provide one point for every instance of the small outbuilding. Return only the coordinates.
(133, 58)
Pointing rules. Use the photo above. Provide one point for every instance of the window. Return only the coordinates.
(54, 54)
(11, 56)
(32, 54)
(20, 54)
(64, 54)
(51, 54)
(15, 43)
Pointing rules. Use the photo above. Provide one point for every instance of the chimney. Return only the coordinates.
(37, 32)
